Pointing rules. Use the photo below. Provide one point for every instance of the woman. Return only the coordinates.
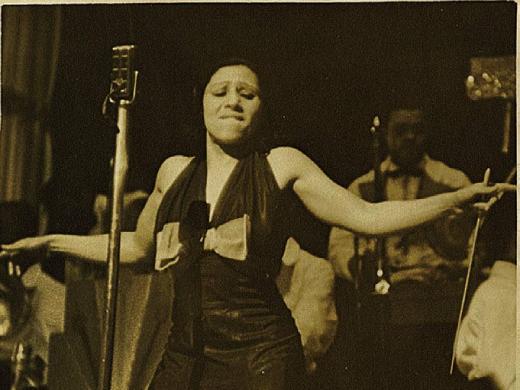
(219, 222)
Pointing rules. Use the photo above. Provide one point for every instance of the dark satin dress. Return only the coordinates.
(231, 328)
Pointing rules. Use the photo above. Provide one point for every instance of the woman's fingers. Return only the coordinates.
(6, 250)
(484, 207)
(10, 247)
(500, 188)
(493, 194)
(4, 255)
(15, 246)
(457, 211)
(494, 191)
(506, 187)
(32, 244)
(481, 207)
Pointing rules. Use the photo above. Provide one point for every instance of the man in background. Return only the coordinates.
(416, 261)
(424, 255)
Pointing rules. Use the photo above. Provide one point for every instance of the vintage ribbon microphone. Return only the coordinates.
(122, 94)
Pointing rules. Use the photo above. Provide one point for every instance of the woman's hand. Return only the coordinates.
(337, 206)
(32, 246)
(488, 195)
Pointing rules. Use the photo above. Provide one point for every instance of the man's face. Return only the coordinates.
(406, 138)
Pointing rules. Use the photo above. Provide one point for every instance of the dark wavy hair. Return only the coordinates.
(264, 134)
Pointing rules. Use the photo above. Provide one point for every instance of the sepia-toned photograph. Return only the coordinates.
(258, 196)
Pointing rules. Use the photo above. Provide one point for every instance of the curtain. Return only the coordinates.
(30, 47)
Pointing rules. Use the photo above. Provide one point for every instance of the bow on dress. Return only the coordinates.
(227, 240)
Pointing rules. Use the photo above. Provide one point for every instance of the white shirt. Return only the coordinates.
(487, 340)
(413, 261)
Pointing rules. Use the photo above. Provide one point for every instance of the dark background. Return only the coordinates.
(334, 66)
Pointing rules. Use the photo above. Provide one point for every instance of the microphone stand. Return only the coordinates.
(381, 286)
(123, 101)
(379, 293)
(372, 289)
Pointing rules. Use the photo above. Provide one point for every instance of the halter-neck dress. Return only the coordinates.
(231, 328)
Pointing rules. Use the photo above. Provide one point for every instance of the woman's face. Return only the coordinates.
(231, 104)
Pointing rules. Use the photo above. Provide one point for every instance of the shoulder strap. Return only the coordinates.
(180, 181)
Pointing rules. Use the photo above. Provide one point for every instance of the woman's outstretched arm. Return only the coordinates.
(135, 246)
(89, 248)
(337, 206)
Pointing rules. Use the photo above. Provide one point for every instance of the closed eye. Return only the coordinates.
(248, 96)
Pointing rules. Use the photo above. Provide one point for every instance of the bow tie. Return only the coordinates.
(228, 240)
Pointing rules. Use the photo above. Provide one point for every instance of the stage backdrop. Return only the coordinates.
(332, 68)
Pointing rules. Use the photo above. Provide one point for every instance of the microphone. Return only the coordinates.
(123, 89)
(123, 76)
(123, 81)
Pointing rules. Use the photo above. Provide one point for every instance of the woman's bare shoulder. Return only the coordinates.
(170, 169)
(286, 162)
(285, 152)
(289, 157)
